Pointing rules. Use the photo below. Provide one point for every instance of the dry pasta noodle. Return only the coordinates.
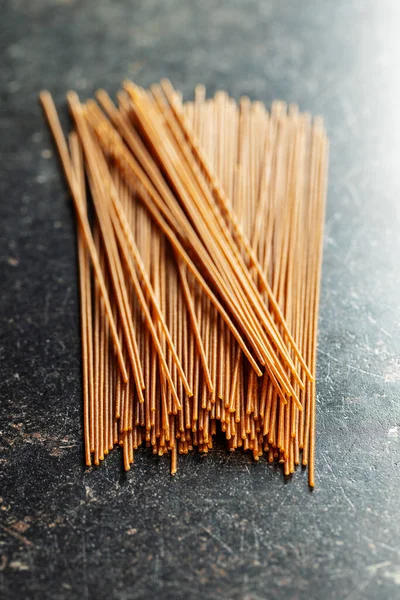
(199, 272)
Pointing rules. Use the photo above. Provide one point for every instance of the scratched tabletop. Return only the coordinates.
(224, 527)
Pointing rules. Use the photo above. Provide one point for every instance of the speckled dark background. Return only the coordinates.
(224, 527)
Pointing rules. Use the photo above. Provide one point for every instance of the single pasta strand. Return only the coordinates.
(84, 275)
(101, 369)
(96, 344)
(322, 191)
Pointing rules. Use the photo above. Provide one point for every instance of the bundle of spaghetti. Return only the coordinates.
(200, 229)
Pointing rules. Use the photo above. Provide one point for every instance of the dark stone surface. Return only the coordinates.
(224, 527)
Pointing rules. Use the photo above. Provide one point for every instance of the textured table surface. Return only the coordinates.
(224, 527)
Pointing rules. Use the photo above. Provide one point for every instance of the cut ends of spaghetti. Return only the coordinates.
(200, 235)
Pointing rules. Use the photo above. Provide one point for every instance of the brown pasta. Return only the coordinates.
(200, 274)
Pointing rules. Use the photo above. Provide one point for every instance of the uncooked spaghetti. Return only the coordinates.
(199, 271)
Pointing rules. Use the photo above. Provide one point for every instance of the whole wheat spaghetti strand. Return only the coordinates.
(84, 276)
(296, 267)
(311, 270)
(101, 366)
(96, 346)
(322, 191)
